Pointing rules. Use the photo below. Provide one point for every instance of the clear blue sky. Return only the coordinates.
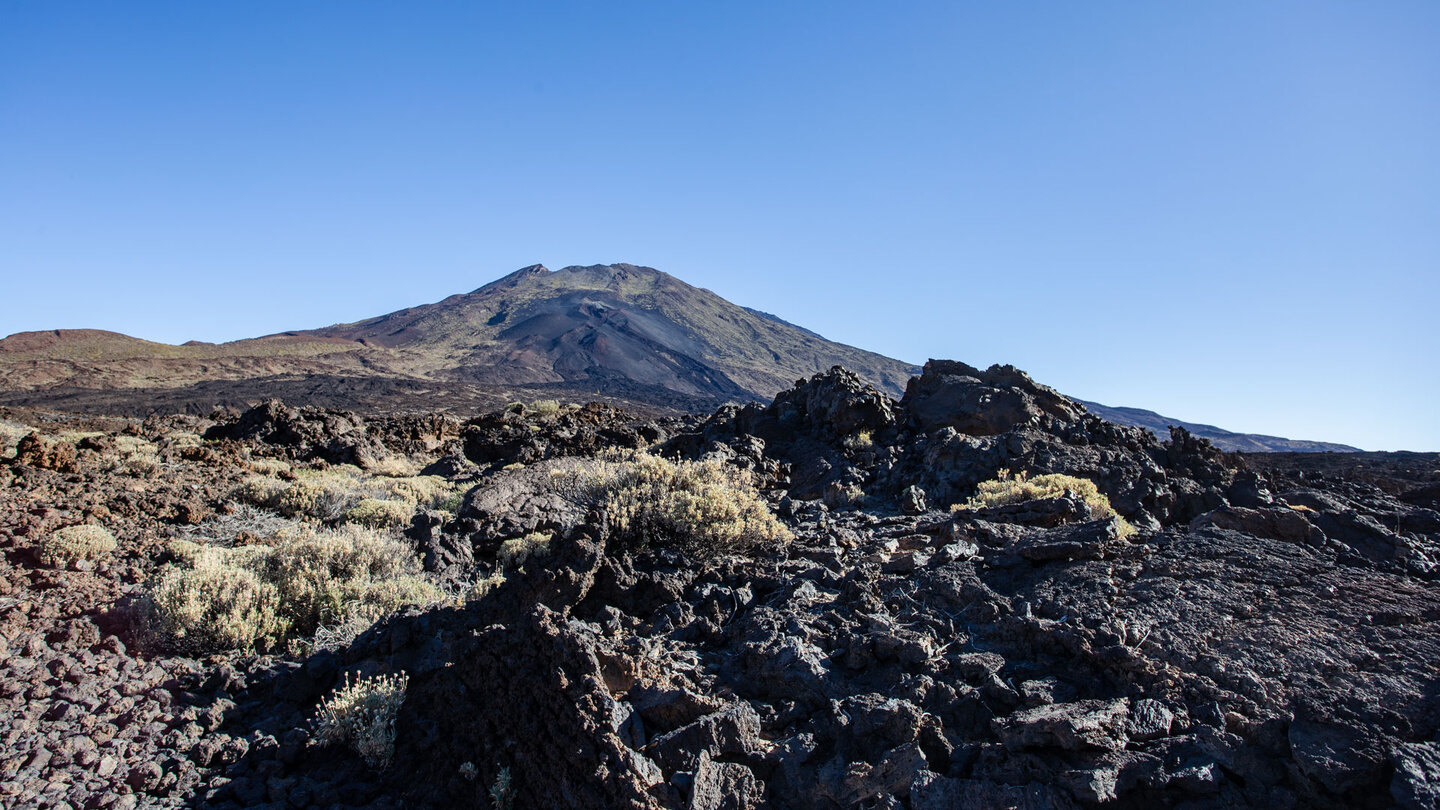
(1228, 212)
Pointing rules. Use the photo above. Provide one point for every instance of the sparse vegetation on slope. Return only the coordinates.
(256, 596)
(701, 507)
(1008, 488)
(72, 543)
(362, 715)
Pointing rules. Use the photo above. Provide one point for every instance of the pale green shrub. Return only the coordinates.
(321, 574)
(83, 542)
(255, 596)
(10, 435)
(216, 605)
(1008, 488)
(269, 466)
(378, 514)
(702, 507)
(514, 553)
(422, 490)
(485, 587)
(545, 408)
(393, 467)
(362, 715)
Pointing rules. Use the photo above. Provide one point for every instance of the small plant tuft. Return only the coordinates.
(1007, 488)
(700, 507)
(502, 793)
(514, 553)
(83, 542)
(362, 715)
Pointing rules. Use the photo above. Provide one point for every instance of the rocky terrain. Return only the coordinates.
(1173, 627)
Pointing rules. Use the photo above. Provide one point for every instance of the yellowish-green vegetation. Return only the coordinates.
(362, 716)
(393, 467)
(344, 492)
(380, 514)
(138, 456)
(484, 587)
(269, 466)
(1008, 488)
(256, 596)
(514, 553)
(82, 542)
(703, 508)
(10, 435)
(860, 440)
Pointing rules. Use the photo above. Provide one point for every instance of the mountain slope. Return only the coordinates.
(626, 332)
(1223, 439)
(631, 334)
(610, 321)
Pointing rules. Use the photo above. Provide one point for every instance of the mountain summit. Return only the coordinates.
(621, 331)
(627, 333)
(605, 323)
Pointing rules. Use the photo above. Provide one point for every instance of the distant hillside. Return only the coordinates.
(610, 322)
(631, 334)
(1223, 439)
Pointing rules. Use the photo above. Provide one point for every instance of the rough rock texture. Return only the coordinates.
(1267, 637)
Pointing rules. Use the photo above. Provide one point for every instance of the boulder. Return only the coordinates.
(1087, 724)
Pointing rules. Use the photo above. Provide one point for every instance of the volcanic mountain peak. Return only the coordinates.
(606, 323)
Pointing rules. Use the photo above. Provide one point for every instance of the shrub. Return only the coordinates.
(362, 715)
(334, 493)
(514, 553)
(485, 587)
(378, 514)
(312, 499)
(321, 575)
(703, 508)
(216, 605)
(10, 435)
(83, 542)
(545, 408)
(421, 490)
(1008, 488)
(269, 466)
(393, 467)
(255, 596)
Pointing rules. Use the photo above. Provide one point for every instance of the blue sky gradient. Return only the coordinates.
(1226, 212)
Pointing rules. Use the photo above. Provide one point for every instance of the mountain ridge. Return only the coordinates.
(631, 333)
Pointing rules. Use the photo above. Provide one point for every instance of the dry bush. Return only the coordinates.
(422, 490)
(269, 466)
(514, 553)
(214, 606)
(362, 715)
(245, 525)
(544, 408)
(83, 542)
(1008, 488)
(321, 575)
(378, 514)
(700, 507)
(10, 435)
(485, 587)
(393, 467)
(137, 456)
(256, 596)
(342, 492)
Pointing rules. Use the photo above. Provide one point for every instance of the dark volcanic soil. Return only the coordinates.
(1267, 637)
